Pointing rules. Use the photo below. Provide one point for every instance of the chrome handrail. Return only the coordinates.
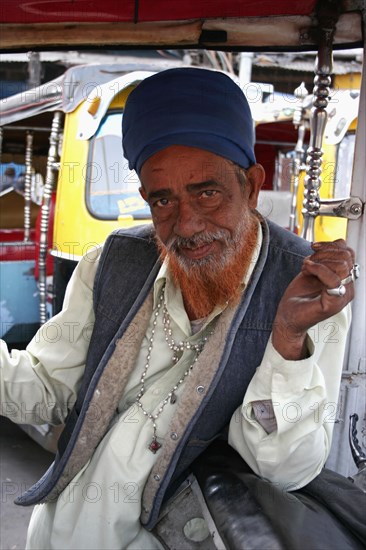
(328, 12)
(28, 184)
(52, 167)
(299, 123)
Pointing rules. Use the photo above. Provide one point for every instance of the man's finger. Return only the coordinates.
(339, 243)
(340, 266)
(327, 248)
(343, 289)
(328, 277)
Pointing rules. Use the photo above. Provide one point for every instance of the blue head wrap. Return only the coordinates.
(188, 106)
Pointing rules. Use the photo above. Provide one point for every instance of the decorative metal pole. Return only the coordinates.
(299, 123)
(34, 70)
(52, 167)
(328, 11)
(28, 184)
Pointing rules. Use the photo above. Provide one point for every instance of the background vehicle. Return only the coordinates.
(88, 189)
(79, 187)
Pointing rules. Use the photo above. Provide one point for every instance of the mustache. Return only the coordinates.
(200, 239)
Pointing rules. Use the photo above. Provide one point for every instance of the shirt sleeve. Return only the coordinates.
(39, 385)
(303, 396)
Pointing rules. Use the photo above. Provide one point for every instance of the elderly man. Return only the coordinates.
(203, 321)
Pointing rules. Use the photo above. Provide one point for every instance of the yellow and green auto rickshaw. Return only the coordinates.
(71, 135)
(73, 162)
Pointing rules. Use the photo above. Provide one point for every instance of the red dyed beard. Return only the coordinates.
(212, 281)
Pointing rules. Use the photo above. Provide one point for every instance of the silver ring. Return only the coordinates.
(348, 279)
(341, 289)
(338, 291)
(355, 271)
(353, 275)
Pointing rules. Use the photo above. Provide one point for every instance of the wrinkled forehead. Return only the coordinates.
(188, 164)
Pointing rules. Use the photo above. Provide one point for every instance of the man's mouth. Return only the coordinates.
(197, 252)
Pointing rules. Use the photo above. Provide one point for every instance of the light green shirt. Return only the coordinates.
(101, 506)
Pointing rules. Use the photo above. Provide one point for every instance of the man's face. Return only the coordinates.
(193, 192)
(204, 222)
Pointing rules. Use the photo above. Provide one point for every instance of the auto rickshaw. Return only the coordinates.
(85, 189)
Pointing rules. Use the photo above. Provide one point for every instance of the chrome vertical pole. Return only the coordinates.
(327, 18)
(52, 167)
(28, 184)
(299, 123)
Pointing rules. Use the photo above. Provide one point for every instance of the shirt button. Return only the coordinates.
(174, 436)
(157, 477)
(200, 389)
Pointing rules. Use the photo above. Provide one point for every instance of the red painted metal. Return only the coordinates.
(17, 251)
(84, 11)
(13, 235)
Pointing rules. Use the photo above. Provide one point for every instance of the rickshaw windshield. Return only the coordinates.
(343, 175)
(111, 187)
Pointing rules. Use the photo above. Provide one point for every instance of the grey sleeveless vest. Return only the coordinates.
(126, 273)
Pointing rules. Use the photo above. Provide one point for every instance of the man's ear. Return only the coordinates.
(255, 177)
(143, 193)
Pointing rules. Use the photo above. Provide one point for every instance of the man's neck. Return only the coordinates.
(192, 316)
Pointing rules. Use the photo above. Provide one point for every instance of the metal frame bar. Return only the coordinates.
(52, 167)
(328, 13)
(28, 184)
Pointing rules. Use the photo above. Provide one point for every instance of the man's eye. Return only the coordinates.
(161, 203)
(208, 193)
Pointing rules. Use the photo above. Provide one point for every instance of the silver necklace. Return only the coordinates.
(154, 445)
(182, 345)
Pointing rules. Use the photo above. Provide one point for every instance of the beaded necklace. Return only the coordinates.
(171, 398)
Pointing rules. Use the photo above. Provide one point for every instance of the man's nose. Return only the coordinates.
(189, 221)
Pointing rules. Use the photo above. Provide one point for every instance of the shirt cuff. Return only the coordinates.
(278, 375)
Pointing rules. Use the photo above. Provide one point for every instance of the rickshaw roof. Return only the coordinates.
(233, 24)
(68, 91)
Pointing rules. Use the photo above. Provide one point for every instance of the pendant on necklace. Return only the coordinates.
(154, 445)
(173, 398)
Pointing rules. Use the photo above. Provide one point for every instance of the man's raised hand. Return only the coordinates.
(306, 301)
